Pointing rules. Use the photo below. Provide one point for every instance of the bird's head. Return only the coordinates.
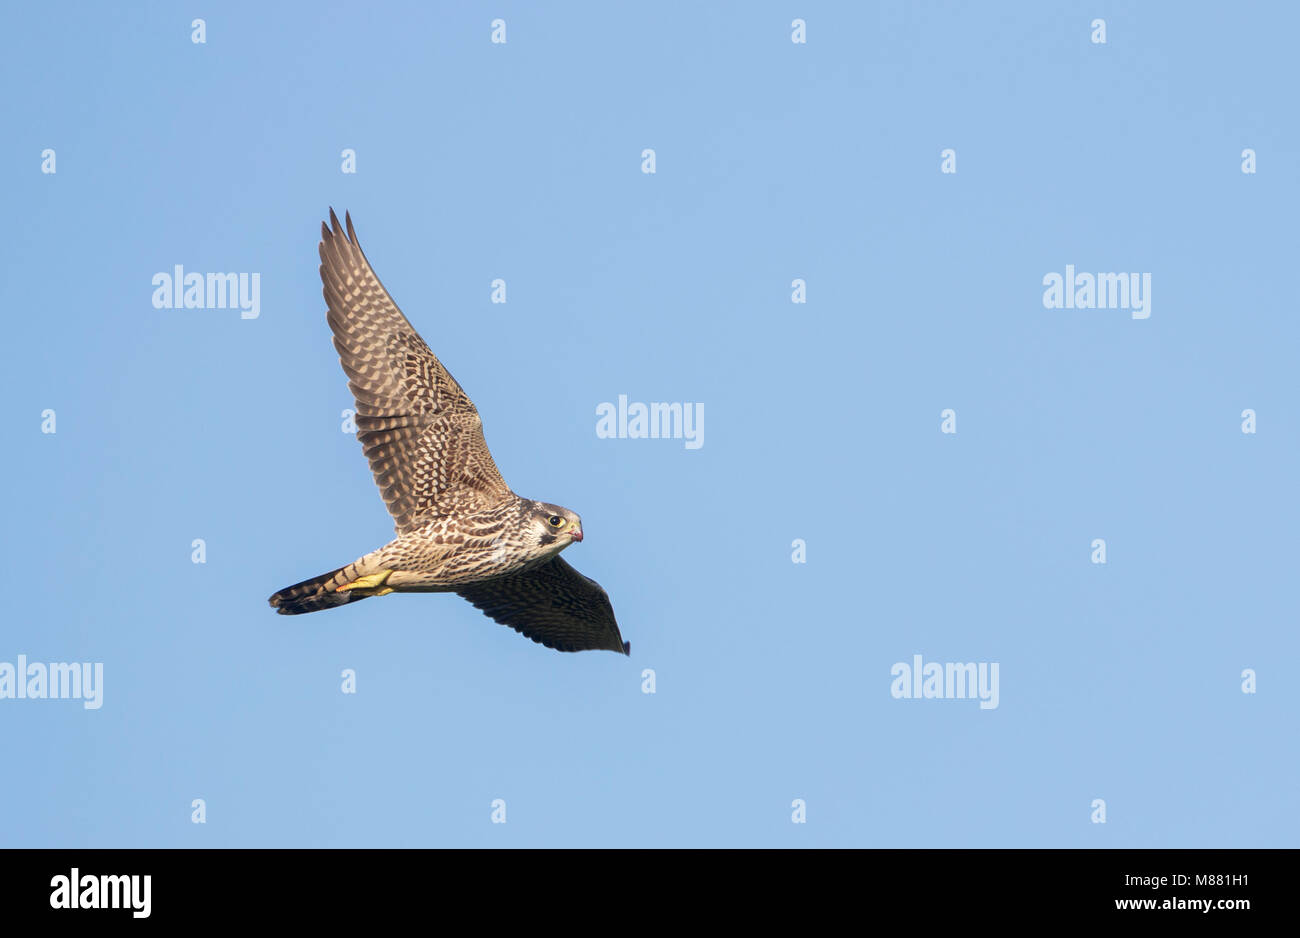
(554, 528)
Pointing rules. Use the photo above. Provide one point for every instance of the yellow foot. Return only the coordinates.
(372, 585)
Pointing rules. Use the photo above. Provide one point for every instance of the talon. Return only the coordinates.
(372, 582)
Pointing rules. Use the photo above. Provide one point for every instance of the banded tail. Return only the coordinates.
(315, 594)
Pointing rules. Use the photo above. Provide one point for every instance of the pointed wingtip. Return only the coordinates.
(627, 649)
(335, 229)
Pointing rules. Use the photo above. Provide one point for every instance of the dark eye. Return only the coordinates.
(555, 521)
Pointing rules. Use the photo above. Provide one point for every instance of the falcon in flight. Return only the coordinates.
(459, 527)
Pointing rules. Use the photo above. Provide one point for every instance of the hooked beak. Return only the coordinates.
(576, 533)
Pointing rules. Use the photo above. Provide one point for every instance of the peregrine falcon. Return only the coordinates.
(459, 527)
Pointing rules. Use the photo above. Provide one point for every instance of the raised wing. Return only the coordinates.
(552, 604)
(419, 429)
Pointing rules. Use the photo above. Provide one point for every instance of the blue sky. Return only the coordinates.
(775, 161)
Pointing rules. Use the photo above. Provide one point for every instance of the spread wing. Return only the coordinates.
(420, 431)
(552, 604)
